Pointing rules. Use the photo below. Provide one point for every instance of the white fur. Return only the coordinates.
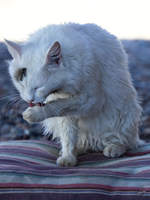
(97, 107)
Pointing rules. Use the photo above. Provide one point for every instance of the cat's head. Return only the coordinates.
(30, 70)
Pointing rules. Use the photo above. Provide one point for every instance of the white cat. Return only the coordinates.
(79, 74)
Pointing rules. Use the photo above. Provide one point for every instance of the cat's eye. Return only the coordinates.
(23, 73)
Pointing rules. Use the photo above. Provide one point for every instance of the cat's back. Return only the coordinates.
(84, 43)
(71, 33)
(61, 32)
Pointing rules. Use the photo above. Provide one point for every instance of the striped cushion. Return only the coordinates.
(28, 171)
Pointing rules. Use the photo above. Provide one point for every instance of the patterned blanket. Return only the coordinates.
(28, 171)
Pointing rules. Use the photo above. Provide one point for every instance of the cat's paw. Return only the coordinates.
(114, 150)
(66, 161)
(33, 114)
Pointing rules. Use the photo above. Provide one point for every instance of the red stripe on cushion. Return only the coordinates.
(73, 186)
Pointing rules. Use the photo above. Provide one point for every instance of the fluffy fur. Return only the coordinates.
(95, 106)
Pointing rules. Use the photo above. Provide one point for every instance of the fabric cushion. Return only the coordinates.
(28, 171)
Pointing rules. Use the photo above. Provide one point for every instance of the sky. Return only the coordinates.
(128, 19)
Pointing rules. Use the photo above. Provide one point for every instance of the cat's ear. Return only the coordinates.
(14, 49)
(54, 54)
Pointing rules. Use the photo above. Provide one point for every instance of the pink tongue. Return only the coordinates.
(31, 104)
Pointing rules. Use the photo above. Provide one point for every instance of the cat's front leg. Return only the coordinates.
(68, 139)
(75, 106)
(80, 105)
(57, 108)
(34, 114)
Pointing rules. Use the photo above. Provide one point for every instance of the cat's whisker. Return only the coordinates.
(6, 97)
(12, 100)
(10, 103)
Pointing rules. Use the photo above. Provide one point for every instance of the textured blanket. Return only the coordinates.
(28, 171)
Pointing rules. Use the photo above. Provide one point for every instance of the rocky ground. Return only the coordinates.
(12, 126)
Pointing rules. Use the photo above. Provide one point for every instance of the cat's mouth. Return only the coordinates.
(31, 104)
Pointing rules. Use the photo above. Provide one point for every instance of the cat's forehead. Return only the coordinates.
(33, 58)
(30, 60)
